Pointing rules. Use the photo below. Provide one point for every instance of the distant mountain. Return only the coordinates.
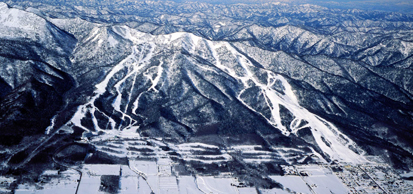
(323, 85)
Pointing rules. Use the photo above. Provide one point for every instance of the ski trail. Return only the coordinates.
(155, 80)
(326, 135)
(132, 64)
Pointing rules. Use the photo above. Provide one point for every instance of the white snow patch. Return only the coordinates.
(322, 180)
(196, 145)
(216, 185)
(129, 185)
(101, 169)
(144, 186)
(148, 168)
(112, 41)
(89, 184)
(247, 190)
(187, 185)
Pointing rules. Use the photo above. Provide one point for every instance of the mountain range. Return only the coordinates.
(307, 83)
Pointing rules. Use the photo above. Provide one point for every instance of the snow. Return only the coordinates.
(165, 170)
(326, 184)
(93, 34)
(174, 36)
(264, 153)
(322, 180)
(319, 127)
(134, 62)
(247, 190)
(225, 156)
(3, 6)
(187, 185)
(146, 167)
(153, 182)
(186, 151)
(7, 179)
(15, 19)
(245, 147)
(89, 184)
(143, 186)
(65, 183)
(25, 189)
(136, 103)
(216, 185)
(50, 127)
(101, 169)
(137, 63)
(258, 160)
(158, 76)
(3, 190)
(158, 174)
(273, 191)
(127, 172)
(4, 183)
(130, 182)
(407, 175)
(252, 155)
(294, 183)
(129, 185)
(226, 159)
(185, 146)
(68, 187)
(168, 184)
(50, 172)
(112, 41)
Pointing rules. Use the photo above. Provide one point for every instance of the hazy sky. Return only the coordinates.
(386, 5)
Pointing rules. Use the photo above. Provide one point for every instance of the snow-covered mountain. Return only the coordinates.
(181, 85)
(236, 86)
(35, 58)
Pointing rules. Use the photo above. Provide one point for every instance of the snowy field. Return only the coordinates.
(159, 177)
(322, 180)
(293, 183)
(313, 179)
(63, 183)
(216, 185)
